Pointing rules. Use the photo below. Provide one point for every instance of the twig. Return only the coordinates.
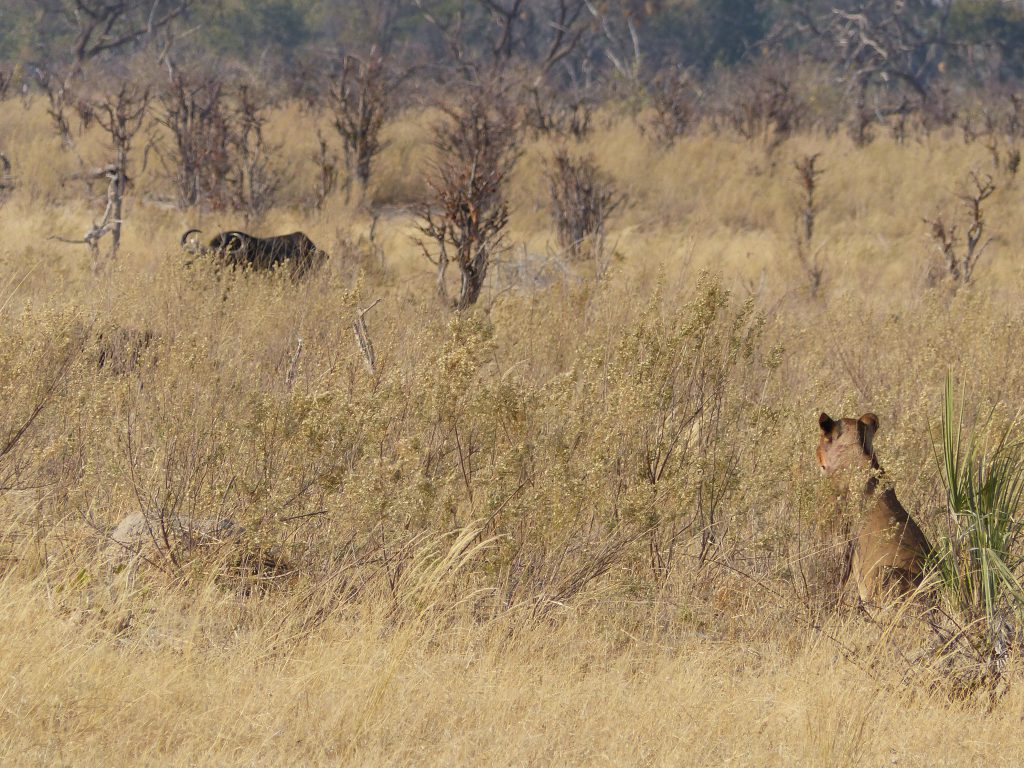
(98, 230)
(289, 378)
(363, 339)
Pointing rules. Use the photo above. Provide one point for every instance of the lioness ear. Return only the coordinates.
(825, 422)
(867, 425)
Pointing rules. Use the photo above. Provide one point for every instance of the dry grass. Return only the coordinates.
(221, 684)
(580, 524)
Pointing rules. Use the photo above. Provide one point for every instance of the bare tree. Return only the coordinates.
(546, 32)
(506, 15)
(58, 95)
(192, 108)
(105, 223)
(675, 97)
(620, 36)
(891, 50)
(450, 27)
(327, 168)
(808, 254)
(961, 265)
(476, 150)
(1003, 125)
(559, 111)
(120, 115)
(255, 181)
(531, 35)
(107, 25)
(220, 154)
(582, 200)
(764, 103)
(6, 78)
(360, 99)
(892, 41)
(7, 180)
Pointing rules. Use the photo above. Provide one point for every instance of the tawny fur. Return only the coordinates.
(887, 549)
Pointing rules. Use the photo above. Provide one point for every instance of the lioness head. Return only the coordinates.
(846, 444)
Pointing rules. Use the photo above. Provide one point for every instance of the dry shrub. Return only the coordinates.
(257, 176)
(552, 111)
(7, 77)
(677, 102)
(960, 262)
(999, 124)
(808, 250)
(8, 182)
(192, 107)
(676, 386)
(361, 255)
(762, 103)
(327, 172)
(58, 89)
(39, 358)
(282, 458)
(360, 99)
(582, 201)
(476, 148)
(220, 155)
(123, 350)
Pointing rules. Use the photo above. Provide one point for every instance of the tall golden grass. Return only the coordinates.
(578, 524)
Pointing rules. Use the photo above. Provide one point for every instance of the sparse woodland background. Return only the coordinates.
(566, 514)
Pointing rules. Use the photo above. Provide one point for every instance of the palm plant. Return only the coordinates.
(974, 567)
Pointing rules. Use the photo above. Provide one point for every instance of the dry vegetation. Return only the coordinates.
(579, 522)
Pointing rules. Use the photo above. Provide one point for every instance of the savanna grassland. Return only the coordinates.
(578, 523)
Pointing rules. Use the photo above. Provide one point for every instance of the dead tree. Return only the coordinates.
(621, 38)
(960, 264)
(100, 227)
(363, 339)
(255, 181)
(106, 25)
(533, 38)
(530, 36)
(7, 179)
(1003, 126)
(766, 105)
(327, 176)
(582, 200)
(546, 31)
(360, 99)
(6, 78)
(220, 154)
(675, 97)
(121, 115)
(476, 148)
(807, 254)
(559, 111)
(893, 49)
(192, 109)
(58, 97)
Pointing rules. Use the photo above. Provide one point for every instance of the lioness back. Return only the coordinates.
(887, 548)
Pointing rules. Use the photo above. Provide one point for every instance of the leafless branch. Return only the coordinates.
(105, 25)
(99, 228)
(363, 339)
(961, 265)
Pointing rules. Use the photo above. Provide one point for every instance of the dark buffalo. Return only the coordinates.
(239, 249)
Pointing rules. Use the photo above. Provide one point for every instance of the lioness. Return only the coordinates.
(887, 551)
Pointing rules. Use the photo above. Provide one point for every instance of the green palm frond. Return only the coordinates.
(975, 566)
